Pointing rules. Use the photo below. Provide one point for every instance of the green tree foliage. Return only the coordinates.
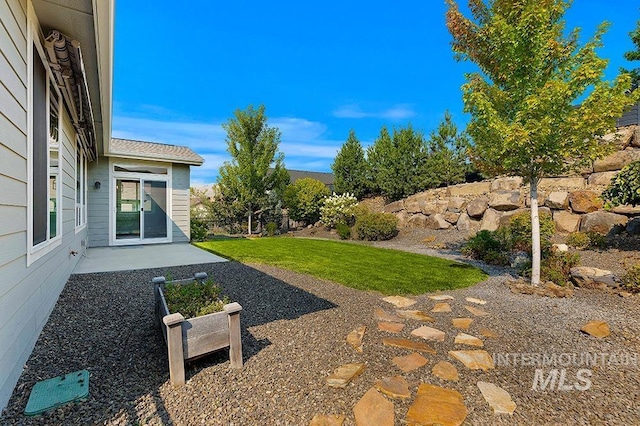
(526, 119)
(253, 145)
(304, 198)
(398, 162)
(350, 168)
(625, 186)
(447, 160)
(634, 55)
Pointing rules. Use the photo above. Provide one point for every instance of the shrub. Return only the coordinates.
(487, 246)
(271, 228)
(519, 232)
(194, 299)
(631, 279)
(344, 231)
(596, 240)
(303, 198)
(376, 226)
(199, 229)
(557, 266)
(625, 186)
(338, 209)
(578, 239)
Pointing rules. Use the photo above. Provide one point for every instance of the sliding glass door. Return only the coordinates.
(140, 210)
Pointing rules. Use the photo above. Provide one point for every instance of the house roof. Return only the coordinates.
(326, 178)
(140, 150)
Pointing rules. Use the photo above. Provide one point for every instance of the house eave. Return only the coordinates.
(174, 160)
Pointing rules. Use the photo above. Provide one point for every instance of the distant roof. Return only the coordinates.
(326, 178)
(153, 151)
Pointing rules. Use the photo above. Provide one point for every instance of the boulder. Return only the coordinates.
(616, 161)
(589, 277)
(417, 221)
(456, 204)
(602, 222)
(469, 189)
(403, 217)
(437, 221)
(394, 207)
(566, 222)
(477, 207)
(601, 178)
(510, 183)
(413, 206)
(451, 217)
(559, 248)
(558, 200)
(506, 216)
(626, 210)
(635, 140)
(435, 207)
(561, 183)
(490, 220)
(505, 200)
(622, 138)
(584, 201)
(466, 224)
(633, 226)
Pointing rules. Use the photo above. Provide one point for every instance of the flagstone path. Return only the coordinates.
(431, 404)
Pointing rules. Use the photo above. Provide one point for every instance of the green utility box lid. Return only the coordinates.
(52, 393)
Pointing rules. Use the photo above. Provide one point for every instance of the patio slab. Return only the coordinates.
(124, 258)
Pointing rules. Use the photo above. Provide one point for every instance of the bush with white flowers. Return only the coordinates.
(338, 209)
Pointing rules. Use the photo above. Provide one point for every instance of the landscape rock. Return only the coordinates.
(626, 210)
(441, 307)
(415, 315)
(584, 201)
(437, 221)
(616, 161)
(374, 409)
(561, 184)
(456, 204)
(429, 333)
(623, 137)
(566, 222)
(327, 420)
(403, 218)
(408, 344)
(599, 329)
(603, 222)
(498, 399)
(559, 248)
(434, 405)
(399, 301)
(588, 277)
(558, 200)
(477, 207)
(394, 387)
(417, 221)
(451, 217)
(477, 312)
(381, 315)
(490, 220)
(355, 338)
(462, 323)
(466, 224)
(467, 339)
(487, 332)
(441, 297)
(435, 207)
(469, 189)
(344, 374)
(445, 371)
(510, 183)
(601, 178)
(474, 360)
(476, 301)
(505, 200)
(549, 289)
(633, 226)
(394, 207)
(409, 362)
(413, 206)
(391, 327)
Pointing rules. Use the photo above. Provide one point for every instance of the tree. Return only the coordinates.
(350, 168)
(526, 119)
(247, 178)
(303, 198)
(447, 161)
(634, 55)
(625, 186)
(398, 162)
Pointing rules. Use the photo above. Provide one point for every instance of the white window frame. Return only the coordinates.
(81, 207)
(34, 39)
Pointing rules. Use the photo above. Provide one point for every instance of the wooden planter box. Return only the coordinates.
(191, 338)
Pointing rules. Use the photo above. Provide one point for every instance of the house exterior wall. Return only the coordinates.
(98, 203)
(181, 223)
(28, 292)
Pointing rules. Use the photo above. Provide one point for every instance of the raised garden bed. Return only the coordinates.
(191, 338)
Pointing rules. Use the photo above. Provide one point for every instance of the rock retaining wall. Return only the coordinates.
(573, 201)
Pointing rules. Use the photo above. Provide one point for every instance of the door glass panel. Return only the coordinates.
(155, 209)
(127, 209)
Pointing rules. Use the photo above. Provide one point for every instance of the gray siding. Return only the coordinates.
(27, 293)
(98, 203)
(630, 117)
(180, 203)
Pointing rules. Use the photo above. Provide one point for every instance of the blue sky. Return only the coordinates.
(320, 69)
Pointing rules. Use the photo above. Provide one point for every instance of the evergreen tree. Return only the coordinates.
(634, 55)
(447, 163)
(350, 168)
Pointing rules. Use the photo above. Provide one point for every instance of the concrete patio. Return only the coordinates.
(124, 258)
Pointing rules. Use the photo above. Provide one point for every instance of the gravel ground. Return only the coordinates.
(293, 331)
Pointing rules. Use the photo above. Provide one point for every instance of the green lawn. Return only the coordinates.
(354, 265)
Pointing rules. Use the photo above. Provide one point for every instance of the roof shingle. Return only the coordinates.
(154, 151)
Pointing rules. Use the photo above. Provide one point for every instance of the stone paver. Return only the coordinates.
(394, 387)
(498, 399)
(487, 332)
(382, 315)
(399, 301)
(477, 312)
(467, 339)
(344, 374)
(374, 410)
(409, 362)
(474, 360)
(415, 315)
(391, 327)
(441, 307)
(476, 301)
(462, 323)
(355, 338)
(408, 344)
(434, 405)
(429, 333)
(445, 370)
(327, 420)
(597, 329)
(441, 297)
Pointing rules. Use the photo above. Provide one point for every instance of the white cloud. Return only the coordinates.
(396, 112)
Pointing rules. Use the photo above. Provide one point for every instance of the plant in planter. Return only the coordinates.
(196, 322)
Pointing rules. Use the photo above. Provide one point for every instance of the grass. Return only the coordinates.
(353, 265)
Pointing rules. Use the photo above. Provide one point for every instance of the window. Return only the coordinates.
(81, 186)
(45, 160)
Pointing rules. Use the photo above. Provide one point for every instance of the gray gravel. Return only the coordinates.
(294, 328)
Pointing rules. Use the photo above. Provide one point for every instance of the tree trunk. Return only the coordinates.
(535, 233)
(249, 226)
